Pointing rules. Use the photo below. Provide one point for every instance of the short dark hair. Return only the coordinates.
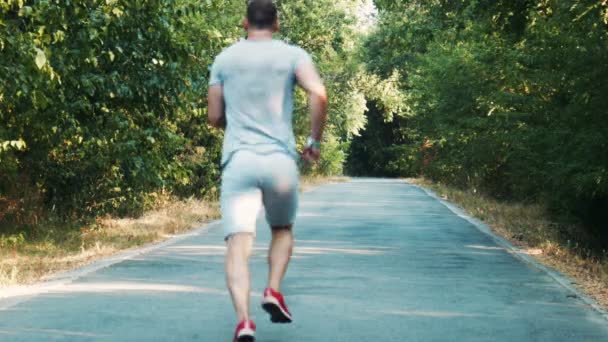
(261, 14)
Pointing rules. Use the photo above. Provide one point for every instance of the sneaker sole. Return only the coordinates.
(246, 335)
(276, 314)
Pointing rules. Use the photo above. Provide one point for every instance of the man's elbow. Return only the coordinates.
(321, 95)
(216, 122)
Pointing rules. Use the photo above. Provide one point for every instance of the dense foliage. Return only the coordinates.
(103, 102)
(506, 97)
(103, 109)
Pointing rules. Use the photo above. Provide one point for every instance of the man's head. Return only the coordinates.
(261, 15)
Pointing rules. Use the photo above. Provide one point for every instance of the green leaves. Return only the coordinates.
(503, 96)
(104, 116)
(25, 11)
(18, 145)
(40, 58)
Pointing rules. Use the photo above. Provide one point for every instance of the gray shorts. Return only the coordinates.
(251, 181)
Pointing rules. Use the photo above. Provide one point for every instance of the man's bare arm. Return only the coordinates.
(310, 80)
(215, 106)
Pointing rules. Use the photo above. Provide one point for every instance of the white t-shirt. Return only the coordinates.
(258, 79)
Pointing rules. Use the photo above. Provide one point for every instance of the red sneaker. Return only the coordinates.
(245, 332)
(274, 304)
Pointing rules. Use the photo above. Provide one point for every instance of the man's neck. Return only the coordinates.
(259, 35)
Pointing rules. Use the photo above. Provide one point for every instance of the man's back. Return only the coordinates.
(258, 78)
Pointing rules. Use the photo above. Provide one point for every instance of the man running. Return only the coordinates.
(251, 96)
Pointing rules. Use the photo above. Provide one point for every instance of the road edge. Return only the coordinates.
(11, 296)
(560, 278)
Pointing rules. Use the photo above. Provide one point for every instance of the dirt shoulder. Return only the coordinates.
(26, 260)
(310, 182)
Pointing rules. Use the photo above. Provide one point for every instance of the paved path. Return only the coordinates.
(377, 260)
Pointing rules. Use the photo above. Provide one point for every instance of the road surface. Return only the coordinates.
(376, 260)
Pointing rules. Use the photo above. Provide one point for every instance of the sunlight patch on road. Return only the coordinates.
(198, 247)
(433, 314)
(56, 332)
(545, 303)
(324, 242)
(111, 287)
(365, 204)
(487, 248)
(310, 215)
(202, 250)
(323, 250)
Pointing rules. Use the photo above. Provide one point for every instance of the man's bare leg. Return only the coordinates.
(281, 249)
(237, 272)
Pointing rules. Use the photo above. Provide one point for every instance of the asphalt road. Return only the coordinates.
(376, 260)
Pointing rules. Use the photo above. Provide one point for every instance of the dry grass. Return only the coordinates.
(529, 227)
(309, 182)
(24, 261)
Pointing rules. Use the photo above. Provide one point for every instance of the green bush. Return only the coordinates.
(102, 92)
